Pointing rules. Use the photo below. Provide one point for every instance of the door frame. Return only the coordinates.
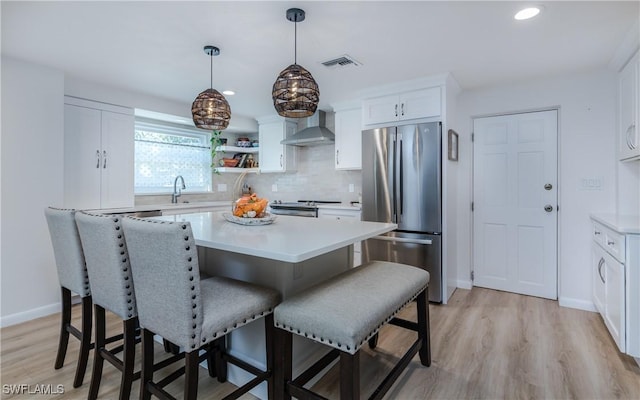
(556, 108)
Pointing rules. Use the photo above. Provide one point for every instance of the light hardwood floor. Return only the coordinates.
(485, 345)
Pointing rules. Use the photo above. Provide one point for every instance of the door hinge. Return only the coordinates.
(472, 206)
(472, 275)
(472, 136)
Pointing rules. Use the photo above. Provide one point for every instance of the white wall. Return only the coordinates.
(32, 169)
(586, 150)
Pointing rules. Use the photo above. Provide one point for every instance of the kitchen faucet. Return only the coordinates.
(177, 192)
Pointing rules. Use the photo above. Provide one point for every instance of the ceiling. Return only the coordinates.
(155, 47)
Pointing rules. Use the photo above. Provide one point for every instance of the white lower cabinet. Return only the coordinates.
(616, 284)
(345, 214)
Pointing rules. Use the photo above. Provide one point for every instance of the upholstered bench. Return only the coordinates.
(344, 313)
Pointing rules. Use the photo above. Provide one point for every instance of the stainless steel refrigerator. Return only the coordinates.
(401, 183)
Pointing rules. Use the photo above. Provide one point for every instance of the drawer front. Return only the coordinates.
(611, 241)
(615, 245)
(597, 233)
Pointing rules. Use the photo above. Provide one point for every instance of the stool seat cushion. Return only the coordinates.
(346, 310)
(228, 304)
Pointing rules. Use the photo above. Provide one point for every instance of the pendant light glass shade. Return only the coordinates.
(210, 110)
(295, 93)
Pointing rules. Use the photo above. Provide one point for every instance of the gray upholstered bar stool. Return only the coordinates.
(107, 260)
(73, 277)
(195, 314)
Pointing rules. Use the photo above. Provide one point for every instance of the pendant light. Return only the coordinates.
(210, 110)
(295, 93)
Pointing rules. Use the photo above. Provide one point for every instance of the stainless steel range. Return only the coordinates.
(301, 208)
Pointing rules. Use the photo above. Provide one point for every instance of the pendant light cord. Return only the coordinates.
(211, 69)
(295, 42)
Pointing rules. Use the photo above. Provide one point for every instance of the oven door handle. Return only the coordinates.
(402, 240)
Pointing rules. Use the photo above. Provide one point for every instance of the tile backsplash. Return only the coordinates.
(315, 178)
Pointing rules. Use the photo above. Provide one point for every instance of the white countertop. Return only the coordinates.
(619, 223)
(169, 206)
(288, 239)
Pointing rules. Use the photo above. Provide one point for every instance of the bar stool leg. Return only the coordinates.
(211, 359)
(64, 327)
(283, 367)
(269, 329)
(146, 375)
(191, 375)
(98, 360)
(85, 341)
(129, 356)
(423, 327)
(220, 364)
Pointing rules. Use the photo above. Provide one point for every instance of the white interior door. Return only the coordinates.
(515, 203)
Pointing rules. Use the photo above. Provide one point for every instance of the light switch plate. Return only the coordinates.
(274, 188)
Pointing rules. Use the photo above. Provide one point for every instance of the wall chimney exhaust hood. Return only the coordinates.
(314, 134)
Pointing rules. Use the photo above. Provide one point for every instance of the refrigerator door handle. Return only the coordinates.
(401, 179)
(394, 184)
(402, 240)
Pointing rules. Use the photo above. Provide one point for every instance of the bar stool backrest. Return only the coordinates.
(107, 259)
(164, 261)
(67, 248)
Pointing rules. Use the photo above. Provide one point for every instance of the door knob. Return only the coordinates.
(548, 186)
(548, 208)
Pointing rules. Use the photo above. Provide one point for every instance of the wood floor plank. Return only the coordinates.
(486, 344)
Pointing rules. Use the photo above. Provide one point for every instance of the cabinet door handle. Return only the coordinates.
(104, 159)
(337, 157)
(396, 110)
(610, 242)
(630, 143)
(281, 156)
(402, 109)
(597, 232)
(600, 269)
(97, 158)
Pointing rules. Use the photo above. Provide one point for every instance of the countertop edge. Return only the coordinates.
(626, 224)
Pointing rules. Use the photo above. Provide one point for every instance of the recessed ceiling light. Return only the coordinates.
(228, 92)
(527, 13)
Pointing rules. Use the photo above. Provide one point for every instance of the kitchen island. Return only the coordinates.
(289, 255)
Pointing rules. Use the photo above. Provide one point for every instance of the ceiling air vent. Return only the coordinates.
(342, 61)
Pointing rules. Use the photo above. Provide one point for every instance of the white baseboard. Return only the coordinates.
(464, 284)
(577, 304)
(28, 315)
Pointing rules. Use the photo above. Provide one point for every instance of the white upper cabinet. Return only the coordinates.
(348, 152)
(417, 104)
(276, 157)
(98, 155)
(628, 90)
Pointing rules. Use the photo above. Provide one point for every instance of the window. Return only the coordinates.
(164, 151)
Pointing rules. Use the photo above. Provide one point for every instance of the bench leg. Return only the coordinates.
(423, 327)
(283, 364)
(349, 376)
